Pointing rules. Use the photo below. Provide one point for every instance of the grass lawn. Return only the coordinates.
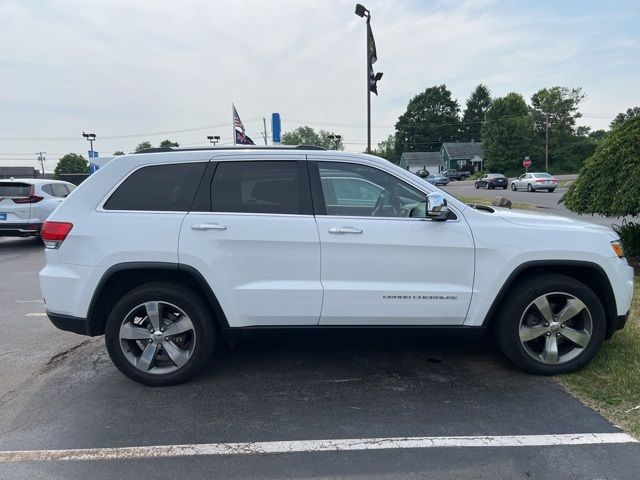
(611, 382)
(487, 201)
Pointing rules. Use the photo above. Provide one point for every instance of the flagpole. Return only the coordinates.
(233, 126)
(368, 87)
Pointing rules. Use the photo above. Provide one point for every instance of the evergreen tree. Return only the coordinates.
(477, 106)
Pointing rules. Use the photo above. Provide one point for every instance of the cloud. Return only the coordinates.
(122, 67)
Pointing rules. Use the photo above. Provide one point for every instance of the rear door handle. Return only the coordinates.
(341, 230)
(208, 226)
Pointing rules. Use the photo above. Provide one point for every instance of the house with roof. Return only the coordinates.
(458, 154)
(416, 161)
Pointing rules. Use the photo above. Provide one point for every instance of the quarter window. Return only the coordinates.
(164, 188)
(59, 190)
(256, 187)
(358, 190)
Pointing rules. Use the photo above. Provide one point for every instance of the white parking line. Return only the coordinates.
(302, 446)
(36, 314)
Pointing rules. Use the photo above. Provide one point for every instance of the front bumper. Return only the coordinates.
(19, 229)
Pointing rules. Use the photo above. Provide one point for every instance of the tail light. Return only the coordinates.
(539, 181)
(54, 233)
(32, 198)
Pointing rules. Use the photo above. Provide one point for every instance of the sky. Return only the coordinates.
(136, 70)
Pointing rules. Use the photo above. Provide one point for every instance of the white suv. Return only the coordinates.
(25, 203)
(163, 251)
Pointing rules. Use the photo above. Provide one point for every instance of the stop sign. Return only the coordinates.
(526, 163)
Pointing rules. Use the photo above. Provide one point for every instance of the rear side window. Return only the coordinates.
(47, 189)
(162, 188)
(70, 187)
(15, 189)
(256, 187)
(59, 190)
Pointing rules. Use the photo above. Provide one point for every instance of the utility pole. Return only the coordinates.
(264, 123)
(41, 160)
(546, 144)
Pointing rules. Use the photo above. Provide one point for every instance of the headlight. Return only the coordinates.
(617, 247)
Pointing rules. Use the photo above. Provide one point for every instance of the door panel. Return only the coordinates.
(388, 269)
(259, 248)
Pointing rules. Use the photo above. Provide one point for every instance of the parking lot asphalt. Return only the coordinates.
(65, 394)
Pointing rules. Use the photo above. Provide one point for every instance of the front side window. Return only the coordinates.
(358, 190)
(256, 187)
(161, 188)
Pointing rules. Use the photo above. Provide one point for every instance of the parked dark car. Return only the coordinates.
(492, 180)
(453, 174)
(437, 179)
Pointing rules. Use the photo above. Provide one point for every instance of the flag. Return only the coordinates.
(237, 123)
(371, 46)
(373, 58)
(243, 139)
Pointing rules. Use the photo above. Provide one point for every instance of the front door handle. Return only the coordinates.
(341, 230)
(208, 226)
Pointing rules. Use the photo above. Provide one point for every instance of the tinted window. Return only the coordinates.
(256, 187)
(358, 190)
(14, 189)
(70, 187)
(541, 175)
(59, 190)
(47, 189)
(165, 188)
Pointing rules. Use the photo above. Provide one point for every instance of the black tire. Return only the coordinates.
(513, 187)
(529, 189)
(507, 321)
(504, 188)
(198, 311)
(477, 186)
(550, 190)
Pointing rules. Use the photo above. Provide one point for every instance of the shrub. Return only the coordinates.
(630, 235)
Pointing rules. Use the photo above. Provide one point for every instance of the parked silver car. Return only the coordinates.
(535, 181)
(25, 203)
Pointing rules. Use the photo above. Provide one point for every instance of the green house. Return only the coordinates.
(458, 154)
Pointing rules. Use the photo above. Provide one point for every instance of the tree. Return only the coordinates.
(628, 115)
(561, 104)
(477, 106)
(597, 134)
(608, 183)
(569, 145)
(71, 163)
(507, 134)
(308, 136)
(143, 146)
(169, 143)
(430, 119)
(387, 149)
(118, 152)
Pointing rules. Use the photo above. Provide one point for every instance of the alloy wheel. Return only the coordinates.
(157, 337)
(555, 328)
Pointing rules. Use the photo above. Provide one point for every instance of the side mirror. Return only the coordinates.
(437, 208)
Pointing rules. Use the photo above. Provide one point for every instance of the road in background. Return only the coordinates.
(546, 202)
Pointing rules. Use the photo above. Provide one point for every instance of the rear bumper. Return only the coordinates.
(543, 186)
(68, 323)
(19, 229)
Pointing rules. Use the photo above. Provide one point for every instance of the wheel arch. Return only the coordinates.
(124, 277)
(589, 273)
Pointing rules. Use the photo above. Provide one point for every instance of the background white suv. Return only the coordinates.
(26, 203)
(161, 251)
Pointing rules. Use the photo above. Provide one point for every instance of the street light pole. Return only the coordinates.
(41, 160)
(361, 11)
(213, 139)
(336, 139)
(546, 144)
(91, 137)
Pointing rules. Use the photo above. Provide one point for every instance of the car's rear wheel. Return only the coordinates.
(529, 188)
(550, 324)
(551, 190)
(160, 334)
(477, 186)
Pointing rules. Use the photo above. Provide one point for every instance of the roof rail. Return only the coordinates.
(236, 147)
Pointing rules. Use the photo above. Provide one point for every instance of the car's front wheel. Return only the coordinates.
(160, 334)
(477, 186)
(550, 324)
(513, 186)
